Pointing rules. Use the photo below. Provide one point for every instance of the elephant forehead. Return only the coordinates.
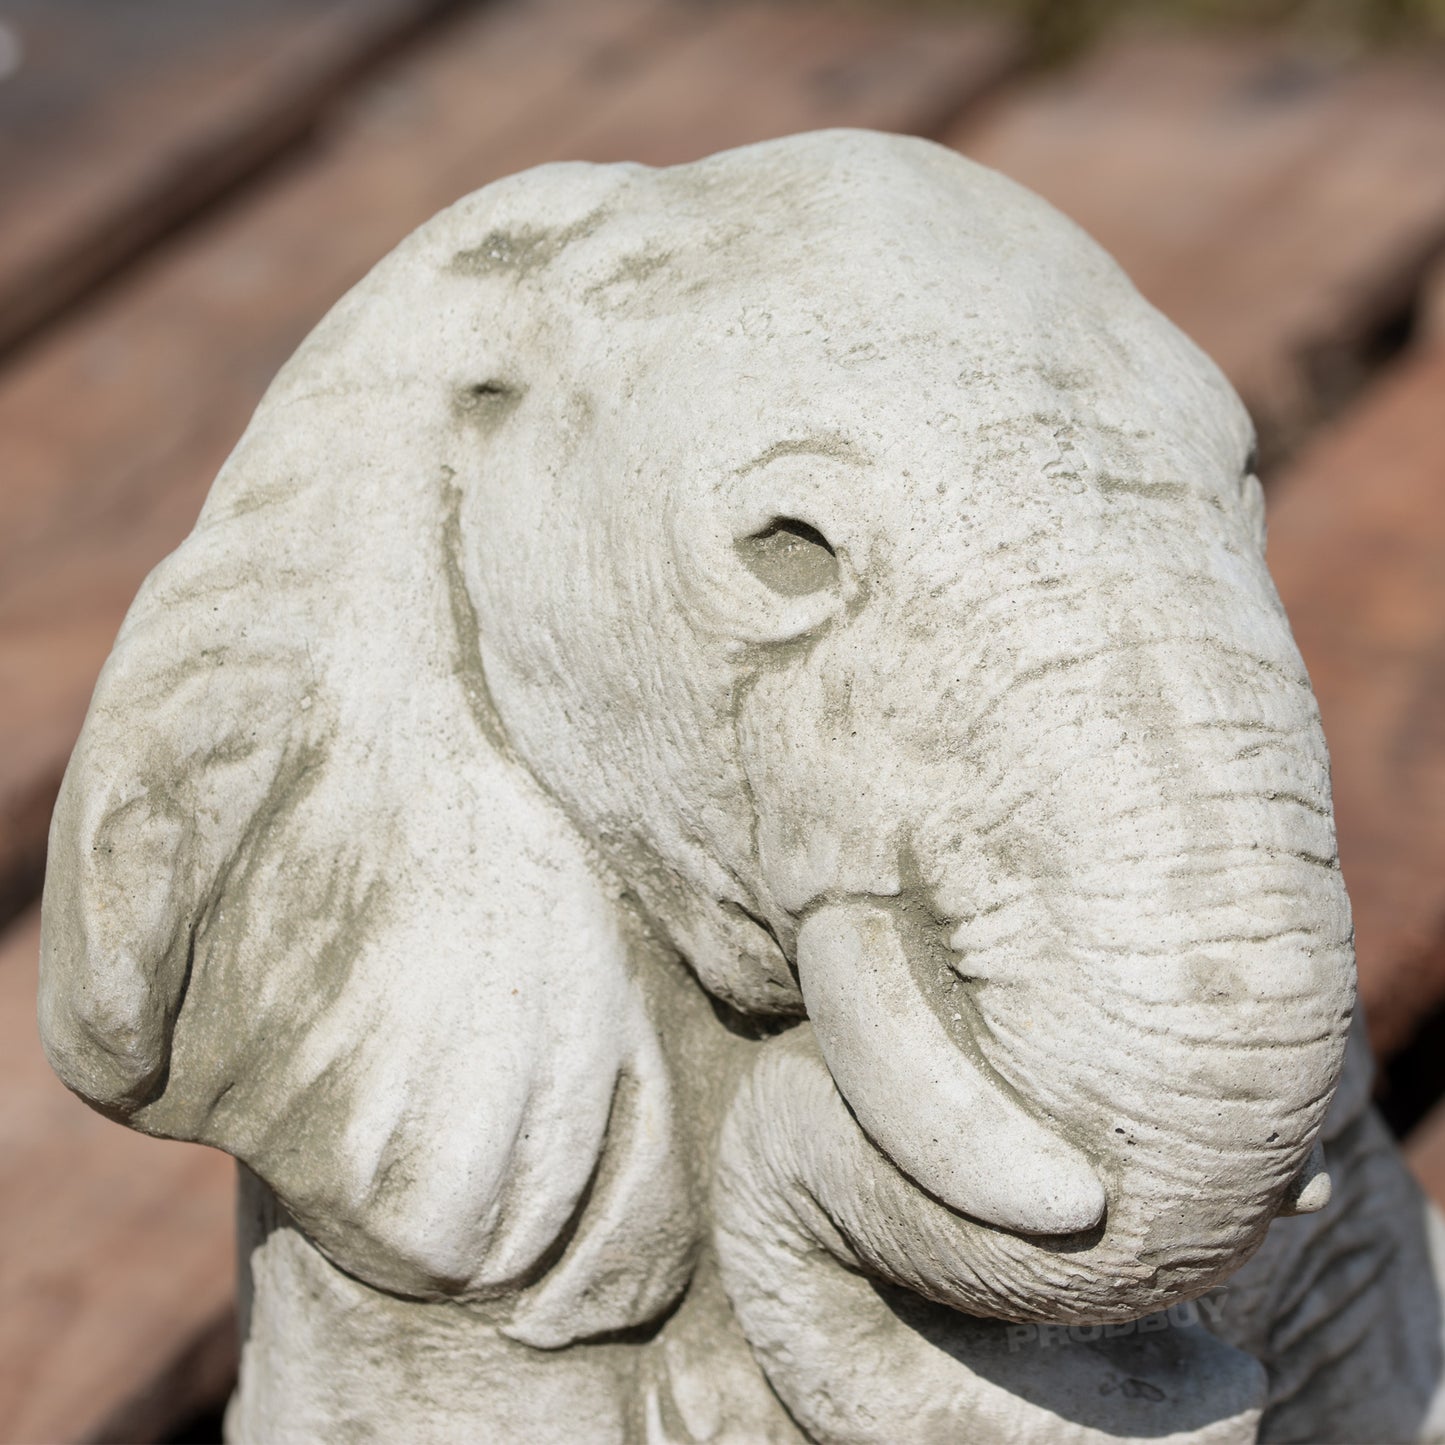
(940, 395)
(838, 281)
(908, 438)
(871, 247)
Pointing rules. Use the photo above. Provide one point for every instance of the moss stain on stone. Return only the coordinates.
(467, 659)
(523, 250)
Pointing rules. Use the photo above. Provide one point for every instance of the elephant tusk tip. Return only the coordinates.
(1053, 1205)
(1311, 1189)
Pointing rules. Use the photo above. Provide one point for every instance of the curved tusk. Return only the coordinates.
(940, 1113)
(1311, 1189)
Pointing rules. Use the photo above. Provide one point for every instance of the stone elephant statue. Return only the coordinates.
(721, 811)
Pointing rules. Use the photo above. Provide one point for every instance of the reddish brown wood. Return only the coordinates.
(118, 1264)
(196, 1382)
(1280, 205)
(116, 420)
(757, 70)
(1357, 547)
(124, 118)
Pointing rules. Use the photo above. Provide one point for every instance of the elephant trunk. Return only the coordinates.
(1103, 1010)
(807, 1210)
(1135, 1147)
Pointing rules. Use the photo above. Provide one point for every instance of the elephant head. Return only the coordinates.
(817, 564)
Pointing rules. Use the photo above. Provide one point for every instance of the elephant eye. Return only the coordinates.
(790, 557)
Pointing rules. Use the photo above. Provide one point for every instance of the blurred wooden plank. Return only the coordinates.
(118, 1266)
(759, 70)
(125, 116)
(170, 364)
(1357, 547)
(1280, 205)
(194, 1385)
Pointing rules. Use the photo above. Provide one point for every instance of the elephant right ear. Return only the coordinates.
(303, 904)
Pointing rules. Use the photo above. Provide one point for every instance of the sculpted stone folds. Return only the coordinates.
(722, 812)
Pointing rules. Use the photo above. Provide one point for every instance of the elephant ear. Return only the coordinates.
(305, 906)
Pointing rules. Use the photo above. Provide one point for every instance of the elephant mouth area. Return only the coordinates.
(901, 1042)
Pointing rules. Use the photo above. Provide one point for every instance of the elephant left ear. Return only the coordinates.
(304, 906)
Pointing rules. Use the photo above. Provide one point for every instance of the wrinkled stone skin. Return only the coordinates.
(722, 812)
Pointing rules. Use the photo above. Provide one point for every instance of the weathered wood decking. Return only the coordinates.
(178, 208)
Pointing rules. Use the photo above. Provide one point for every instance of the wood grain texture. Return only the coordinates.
(116, 420)
(118, 1266)
(1357, 548)
(125, 117)
(1281, 205)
